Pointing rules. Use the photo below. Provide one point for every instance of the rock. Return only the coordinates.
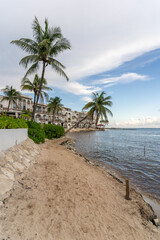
(19, 167)
(9, 157)
(6, 184)
(156, 222)
(7, 172)
(10, 167)
(2, 159)
(25, 162)
(1, 203)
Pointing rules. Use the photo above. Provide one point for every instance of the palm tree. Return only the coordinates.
(47, 43)
(97, 107)
(11, 95)
(35, 86)
(54, 106)
(26, 114)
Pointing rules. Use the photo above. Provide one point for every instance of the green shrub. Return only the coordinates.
(36, 132)
(12, 123)
(53, 131)
(34, 125)
(37, 135)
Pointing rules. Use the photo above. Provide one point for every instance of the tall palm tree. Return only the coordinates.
(97, 107)
(54, 106)
(47, 43)
(11, 95)
(35, 86)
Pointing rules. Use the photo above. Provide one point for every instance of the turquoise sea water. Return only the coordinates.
(133, 153)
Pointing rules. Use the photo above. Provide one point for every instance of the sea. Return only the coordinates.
(131, 153)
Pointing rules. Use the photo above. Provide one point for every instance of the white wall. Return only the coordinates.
(11, 137)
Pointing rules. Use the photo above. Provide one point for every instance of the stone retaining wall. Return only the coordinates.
(13, 162)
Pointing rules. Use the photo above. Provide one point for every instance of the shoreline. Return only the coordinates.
(63, 196)
(148, 198)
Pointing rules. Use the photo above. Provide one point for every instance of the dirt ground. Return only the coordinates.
(62, 197)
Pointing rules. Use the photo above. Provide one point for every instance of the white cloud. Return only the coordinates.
(74, 87)
(102, 36)
(124, 78)
(87, 99)
(144, 121)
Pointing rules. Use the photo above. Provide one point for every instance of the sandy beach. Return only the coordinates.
(62, 197)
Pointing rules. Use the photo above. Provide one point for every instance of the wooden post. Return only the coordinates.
(144, 151)
(127, 190)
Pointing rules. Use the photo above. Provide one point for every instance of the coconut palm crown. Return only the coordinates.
(47, 44)
(98, 107)
(11, 95)
(34, 87)
(54, 106)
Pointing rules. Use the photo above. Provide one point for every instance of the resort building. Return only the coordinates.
(66, 117)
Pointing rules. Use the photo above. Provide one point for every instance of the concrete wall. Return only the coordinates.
(11, 137)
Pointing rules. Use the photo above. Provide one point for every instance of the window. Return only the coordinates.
(14, 105)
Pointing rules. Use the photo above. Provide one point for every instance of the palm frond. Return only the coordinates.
(57, 67)
(32, 69)
(60, 45)
(25, 46)
(37, 30)
(29, 59)
(88, 105)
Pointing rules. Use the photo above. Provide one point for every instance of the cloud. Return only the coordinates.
(144, 121)
(74, 87)
(86, 99)
(98, 44)
(124, 78)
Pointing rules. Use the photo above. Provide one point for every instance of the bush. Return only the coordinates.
(34, 125)
(53, 131)
(36, 132)
(37, 135)
(12, 123)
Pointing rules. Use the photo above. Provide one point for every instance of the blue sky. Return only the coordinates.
(138, 99)
(115, 48)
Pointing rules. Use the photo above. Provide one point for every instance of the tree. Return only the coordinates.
(35, 86)
(54, 106)
(98, 108)
(26, 114)
(47, 43)
(11, 95)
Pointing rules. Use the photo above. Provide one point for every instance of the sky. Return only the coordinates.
(115, 47)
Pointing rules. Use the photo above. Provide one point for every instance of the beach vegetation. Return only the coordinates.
(12, 123)
(11, 95)
(53, 131)
(35, 88)
(97, 107)
(54, 106)
(43, 49)
(36, 132)
(26, 114)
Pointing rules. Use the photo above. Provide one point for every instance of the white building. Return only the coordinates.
(66, 117)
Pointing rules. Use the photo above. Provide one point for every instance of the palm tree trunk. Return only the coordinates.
(40, 88)
(54, 111)
(33, 107)
(97, 118)
(76, 124)
(8, 105)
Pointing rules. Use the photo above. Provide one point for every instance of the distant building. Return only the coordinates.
(66, 117)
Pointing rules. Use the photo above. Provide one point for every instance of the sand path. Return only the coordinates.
(61, 197)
